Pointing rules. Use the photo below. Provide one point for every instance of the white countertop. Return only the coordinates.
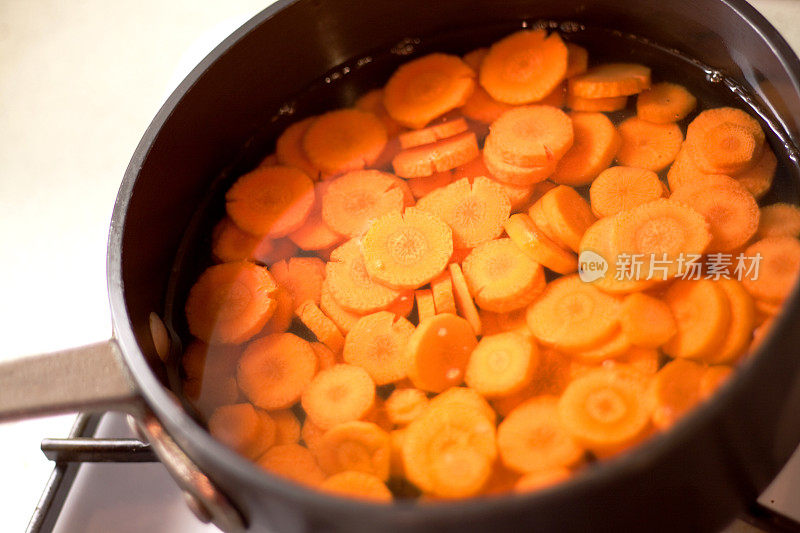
(79, 83)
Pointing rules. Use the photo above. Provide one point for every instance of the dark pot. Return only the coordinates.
(695, 477)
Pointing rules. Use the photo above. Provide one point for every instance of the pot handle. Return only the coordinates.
(88, 378)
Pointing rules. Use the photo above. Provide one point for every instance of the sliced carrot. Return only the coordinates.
(276, 369)
(372, 102)
(210, 375)
(270, 201)
(320, 325)
(396, 467)
(231, 302)
(501, 364)
(343, 140)
(501, 322)
(358, 446)
(674, 391)
(378, 415)
(777, 271)
(426, 307)
(643, 362)
(731, 211)
(293, 462)
(377, 343)
(595, 145)
(311, 435)
(481, 107)
(622, 188)
(608, 104)
(611, 79)
(572, 315)
(474, 58)
(339, 394)
(577, 60)
(464, 398)
(724, 140)
(779, 220)
(702, 313)
(229, 243)
(513, 174)
(301, 276)
(713, 378)
(524, 67)
(287, 427)
(406, 251)
(442, 290)
(555, 98)
(245, 429)
(605, 410)
(269, 161)
(438, 352)
(459, 471)
(742, 322)
(518, 196)
(540, 219)
(281, 319)
(357, 485)
(315, 234)
(464, 302)
(423, 186)
(425, 160)
(664, 103)
(568, 215)
(404, 405)
(647, 321)
(345, 320)
(758, 178)
(326, 357)
(433, 133)
(281, 249)
(501, 481)
(617, 345)
(648, 145)
(531, 240)
(542, 479)
(475, 213)
(532, 136)
(551, 377)
(289, 148)
(502, 277)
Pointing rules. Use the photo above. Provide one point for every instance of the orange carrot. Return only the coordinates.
(713, 378)
(611, 79)
(594, 148)
(323, 328)
(568, 215)
(301, 276)
(231, 302)
(778, 268)
(426, 307)
(724, 140)
(459, 471)
(433, 133)
(531, 240)
(577, 60)
(315, 234)
(608, 104)
(404, 405)
(518, 196)
(501, 364)
(269, 161)
(664, 103)
(293, 462)
(464, 302)
(438, 352)
(442, 291)
(622, 188)
(229, 243)
(423, 186)
(702, 314)
(542, 479)
(674, 391)
(474, 58)
(648, 145)
(501, 322)
(377, 343)
(281, 249)
(287, 427)
(551, 377)
(248, 431)
(464, 398)
(532, 136)
(647, 321)
(210, 375)
(281, 319)
(358, 446)
(742, 322)
(758, 178)
(357, 485)
(311, 435)
(513, 174)
(779, 220)
(343, 140)
(372, 102)
(425, 160)
(481, 107)
(289, 149)
(615, 346)
(339, 394)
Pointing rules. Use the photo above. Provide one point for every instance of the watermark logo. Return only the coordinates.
(591, 266)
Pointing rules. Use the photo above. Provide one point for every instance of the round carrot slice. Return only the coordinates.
(345, 320)
(293, 462)
(276, 369)
(538, 246)
(270, 201)
(358, 446)
(551, 378)
(301, 276)
(481, 107)
(464, 398)
(619, 189)
(577, 60)
(326, 357)
(343, 140)
(315, 234)
(758, 179)
(229, 243)
(475, 213)
(777, 271)
(524, 67)
(605, 410)
(289, 148)
(501, 322)
(648, 145)
(459, 471)
(532, 136)
(423, 186)
(713, 378)
(339, 394)
(611, 79)
(614, 347)
(702, 314)
(731, 211)
(287, 427)
(377, 343)
(595, 145)
(404, 405)
(646, 321)
(501, 364)
(724, 140)
(427, 87)
(664, 103)
(231, 302)
(358, 485)
(568, 215)
(542, 479)
(572, 315)
(531, 438)
(742, 322)
(372, 102)
(779, 220)
(474, 58)
(241, 427)
(433, 133)
(406, 251)
(513, 174)
(675, 390)
(596, 105)
(517, 195)
(502, 277)
(438, 352)
(426, 160)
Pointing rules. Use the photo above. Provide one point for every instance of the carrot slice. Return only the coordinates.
(572, 315)
(243, 428)
(524, 67)
(301, 276)
(345, 320)
(517, 195)
(577, 60)
(501, 364)
(531, 438)
(326, 357)
(287, 427)
(293, 462)
(611, 79)
(464, 302)
(281, 249)
(551, 377)
(460, 471)
(269, 161)
(568, 215)
(731, 211)
(481, 107)
(531, 240)
(339, 394)
(426, 307)
(404, 405)
(758, 179)
(724, 140)
(613, 347)
(274, 370)
(475, 213)
(594, 148)
(438, 352)
(358, 485)
(596, 105)
(683, 170)
(425, 160)
(474, 58)
(289, 148)
(713, 378)
(541, 479)
(311, 435)
(464, 398)
(675, 390)
(502, 322)
(377, 343)
(396, 467)
(702, 313)
(442, 290)
(357, 446)
(421, 187)
(433, 133)
(634, 360)
(605, 410)
(231, 302)
(343, 140)
(646, 321)
(664, 103)
(513, 174)
(502, 277)
(648, 145)
(283, 315)
(427, 87)
(350, 285)
(270, 201)
(372, 102)
(532, 136)
(779, 220)
(320, 325)
(742, 322)
(229, 243)
(622, 188)
(210, 371)
(315, 234)
(406, 251)
(778, 268)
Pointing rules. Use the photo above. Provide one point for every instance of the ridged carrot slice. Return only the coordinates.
(648, 145)
(595, 145)
(343, 140)
(664, 103)
(377, 343)
(611, 79)
(433, 133)
(622, 188)
(425, 160)
(702, 314)
(532, 136)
